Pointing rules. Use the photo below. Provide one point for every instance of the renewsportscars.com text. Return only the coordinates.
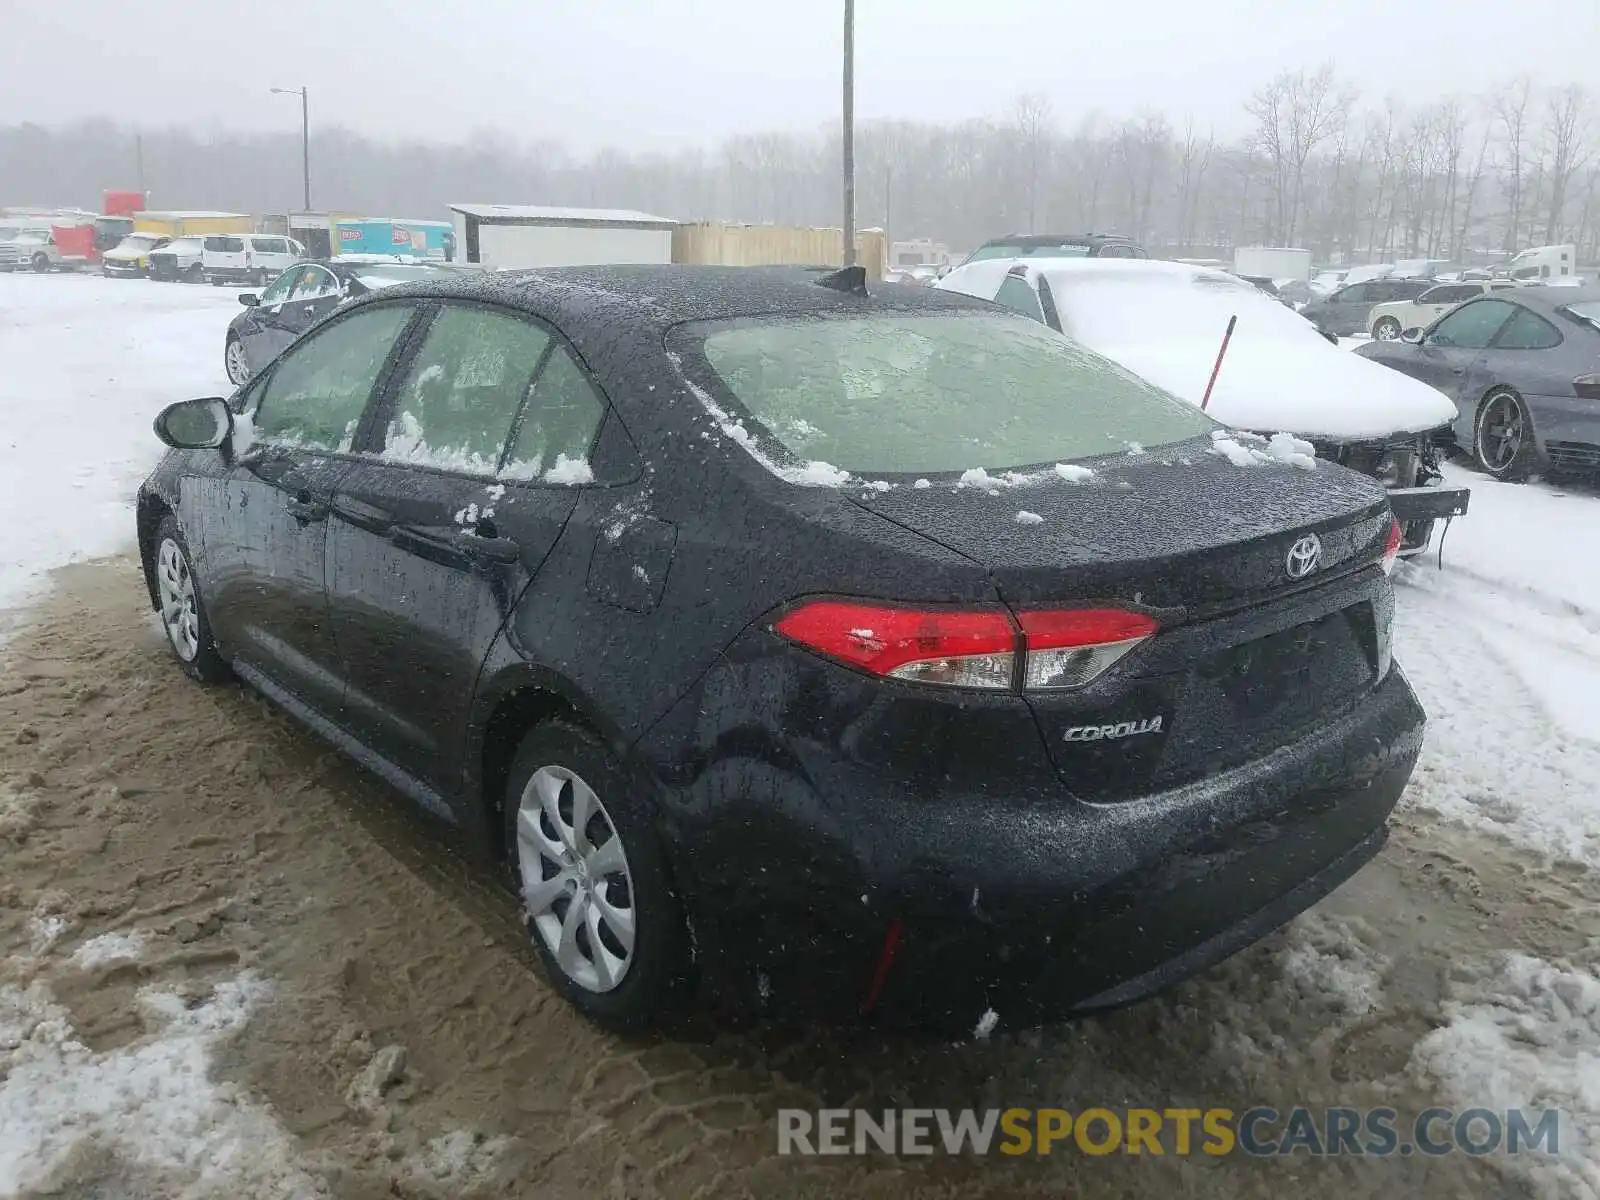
(1260, 1131)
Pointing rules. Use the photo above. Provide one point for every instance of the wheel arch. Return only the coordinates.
(510, 702)
(153, 509)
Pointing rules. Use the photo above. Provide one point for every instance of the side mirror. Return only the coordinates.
(195, 424)
(249, 299)
(1412, 335)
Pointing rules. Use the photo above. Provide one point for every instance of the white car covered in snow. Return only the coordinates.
(1166, 321)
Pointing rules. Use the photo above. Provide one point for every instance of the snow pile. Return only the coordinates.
(569, 471)
(1527, 1037)
(986, 1025)
(110, 948)
(406, 443)
(1251, 449)
(978, 477)
(1024, 517)
(151, 1103)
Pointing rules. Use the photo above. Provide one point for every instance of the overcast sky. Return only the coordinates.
(636, 73)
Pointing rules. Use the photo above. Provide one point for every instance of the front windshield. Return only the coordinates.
(138, 241)
(927, 394)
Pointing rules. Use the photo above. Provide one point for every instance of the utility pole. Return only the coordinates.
(849, 133)
(138, 160)
(305, 136)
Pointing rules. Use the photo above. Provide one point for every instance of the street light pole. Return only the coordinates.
(305, 135)
(849, 133)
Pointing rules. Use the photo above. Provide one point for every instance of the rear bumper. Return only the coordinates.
(1017, 897)
(234, 274)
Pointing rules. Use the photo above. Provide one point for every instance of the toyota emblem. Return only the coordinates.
(1304, 556)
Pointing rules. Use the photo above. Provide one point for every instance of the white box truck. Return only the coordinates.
(1272, 262)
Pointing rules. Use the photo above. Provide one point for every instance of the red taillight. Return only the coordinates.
(1391, 548)
(1071, 647)
(975, 648)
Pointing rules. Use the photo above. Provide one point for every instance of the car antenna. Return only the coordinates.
(846, 279)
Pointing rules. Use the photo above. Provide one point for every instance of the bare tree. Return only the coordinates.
(1295, 114)
(1510, 107)
(1568, 116)
(1031, 114)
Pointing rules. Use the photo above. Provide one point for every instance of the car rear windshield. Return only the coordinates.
(925, 394)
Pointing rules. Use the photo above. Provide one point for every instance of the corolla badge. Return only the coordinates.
(1122, 729)
(1303, 557)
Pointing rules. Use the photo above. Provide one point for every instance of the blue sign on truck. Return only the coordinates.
(382, 235)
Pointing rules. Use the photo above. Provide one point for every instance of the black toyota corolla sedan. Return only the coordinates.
(799, 644)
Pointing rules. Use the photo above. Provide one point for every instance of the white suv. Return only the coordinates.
(248, 257)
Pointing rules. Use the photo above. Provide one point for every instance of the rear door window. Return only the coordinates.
(464, 389)
(225, 245)
(924, 394)
(558, 427)
(319, 389)
(1527, 330)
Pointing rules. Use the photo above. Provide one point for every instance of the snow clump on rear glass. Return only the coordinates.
(1028, 518)
(811, 474)
(1251, 449)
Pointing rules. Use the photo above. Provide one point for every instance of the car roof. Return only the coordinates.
(581, 299)
(1546, 299)
(1059, 239)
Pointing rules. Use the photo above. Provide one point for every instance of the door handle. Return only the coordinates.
(305, 509)
(454, 548)
(489, 549)
(363, 515)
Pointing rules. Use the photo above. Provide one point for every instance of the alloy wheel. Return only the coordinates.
(180, 612)
(238, 365)
(576, 882)
(1501, 430)
(1386, 330)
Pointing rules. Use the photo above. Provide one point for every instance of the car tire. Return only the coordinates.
(1386, 329)
(620, 952)
(183, 612)
(1503, 445)
(236, 362)
(216, 281)
(41, 264)
(195, 274)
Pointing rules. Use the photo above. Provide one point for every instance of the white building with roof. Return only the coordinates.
(526, 235)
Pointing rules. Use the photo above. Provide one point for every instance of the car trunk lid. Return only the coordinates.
(1247, 658)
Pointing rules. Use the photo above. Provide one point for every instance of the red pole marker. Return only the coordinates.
(1212, 382)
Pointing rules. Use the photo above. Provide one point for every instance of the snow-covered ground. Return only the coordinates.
(85, 365)
(1502, 644)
